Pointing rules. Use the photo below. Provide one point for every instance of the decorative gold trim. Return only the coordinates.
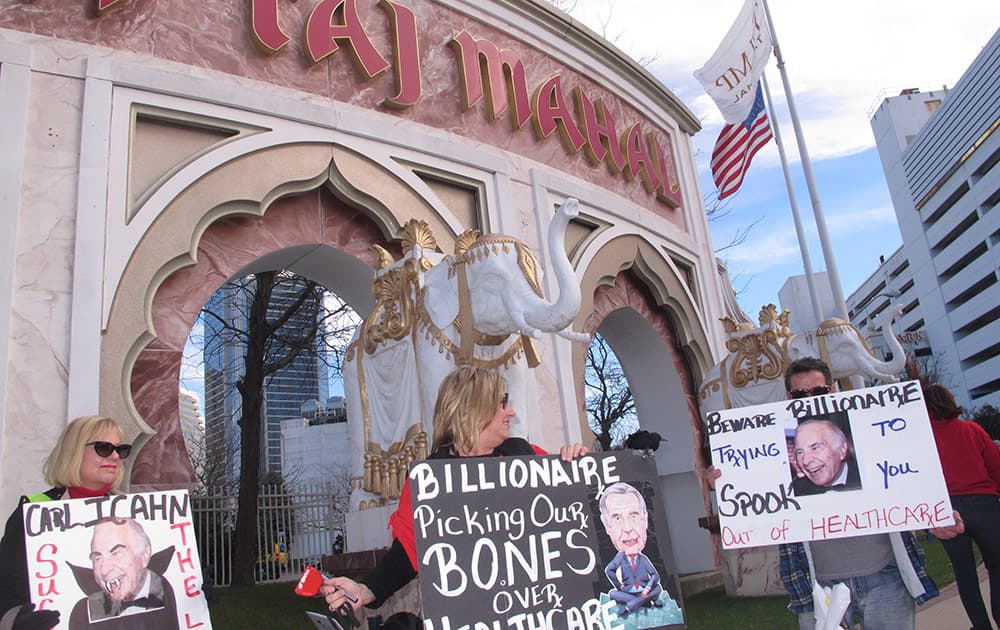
(496, 243)
(758, 356)
(730, 325)
(725, 383)
(393, 316)
(385, 470)
(417, 232)
(837, 326)
(445, 345)
(383, 259)
(466, 240)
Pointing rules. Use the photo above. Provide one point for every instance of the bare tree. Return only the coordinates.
(602, 26)
(929, 368)
(279, 318)
(567, 6)
(610, 404)
(987, 417)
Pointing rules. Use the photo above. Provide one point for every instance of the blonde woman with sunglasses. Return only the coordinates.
(471, 419)
(85, 462)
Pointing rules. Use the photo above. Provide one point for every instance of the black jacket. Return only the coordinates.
(394, 570)
(14, 559)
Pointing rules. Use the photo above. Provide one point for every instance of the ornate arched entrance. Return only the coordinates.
(316, 213)
(642, 306)
(312, 234)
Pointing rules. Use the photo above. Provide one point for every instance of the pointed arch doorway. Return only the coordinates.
(312, 208)
(659, 369)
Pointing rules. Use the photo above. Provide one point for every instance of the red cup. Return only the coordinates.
(309, 583)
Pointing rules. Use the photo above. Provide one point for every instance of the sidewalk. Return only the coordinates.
(945, 612)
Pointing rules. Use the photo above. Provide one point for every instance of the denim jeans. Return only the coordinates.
(981, 514)
(879, 601)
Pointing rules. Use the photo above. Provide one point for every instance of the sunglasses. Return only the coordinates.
(505, 401)
(104, 449)
(805, 393)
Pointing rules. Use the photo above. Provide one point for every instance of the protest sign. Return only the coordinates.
(520, 542)
(833, 466)
(121, 561)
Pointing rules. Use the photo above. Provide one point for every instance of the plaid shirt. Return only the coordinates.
(794, 570)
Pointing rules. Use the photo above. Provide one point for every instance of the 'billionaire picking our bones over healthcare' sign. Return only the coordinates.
(519, 542)
(833, 466)
(89, 559)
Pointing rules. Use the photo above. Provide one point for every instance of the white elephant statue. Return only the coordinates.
(419, 330)
(753, 372)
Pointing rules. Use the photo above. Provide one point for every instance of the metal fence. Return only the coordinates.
(297, 524)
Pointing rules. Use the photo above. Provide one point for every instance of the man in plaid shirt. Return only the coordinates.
(884, 572)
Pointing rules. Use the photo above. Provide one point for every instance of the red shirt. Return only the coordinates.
(969, 458)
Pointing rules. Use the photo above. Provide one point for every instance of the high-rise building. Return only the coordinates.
(223, 368)
(304, 378)
(193, 429)
(794, 297)
(940, 152)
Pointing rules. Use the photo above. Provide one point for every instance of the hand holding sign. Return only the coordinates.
(30, 619)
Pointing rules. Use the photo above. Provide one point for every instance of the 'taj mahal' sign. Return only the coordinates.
(634, 152)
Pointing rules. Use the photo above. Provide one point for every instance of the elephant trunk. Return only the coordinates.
(898, 361)
(543, 315)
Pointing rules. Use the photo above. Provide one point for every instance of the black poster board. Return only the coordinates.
(519, 542)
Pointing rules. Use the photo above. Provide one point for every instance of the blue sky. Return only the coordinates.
(842, 59)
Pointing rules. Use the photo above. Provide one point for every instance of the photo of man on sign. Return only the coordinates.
(623, 512)
(123, 581)
(824, 456)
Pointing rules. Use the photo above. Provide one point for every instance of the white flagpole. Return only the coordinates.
(799, 231)
(824, 236)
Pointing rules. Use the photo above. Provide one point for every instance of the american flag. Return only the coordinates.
(736, 146)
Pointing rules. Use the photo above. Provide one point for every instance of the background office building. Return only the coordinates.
(940, 151)
(192, 428)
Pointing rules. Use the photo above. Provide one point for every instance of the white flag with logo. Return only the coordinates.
(730, 76)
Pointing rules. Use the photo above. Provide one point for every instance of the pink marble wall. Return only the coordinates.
(216, 35)
(226, 247)
(628, 292)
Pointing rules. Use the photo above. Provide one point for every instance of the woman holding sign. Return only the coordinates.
(471, 419)
(85, 462)
(971, 465)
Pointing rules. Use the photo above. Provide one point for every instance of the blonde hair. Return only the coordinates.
(467, 401)
(62, 466)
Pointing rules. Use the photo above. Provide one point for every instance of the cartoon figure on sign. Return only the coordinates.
(635, 579)
(824, 456)
(125, 588)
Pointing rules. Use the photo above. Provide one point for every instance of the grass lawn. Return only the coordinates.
(263, 607)
(276, 606)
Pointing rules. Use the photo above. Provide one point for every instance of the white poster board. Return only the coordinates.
(89, 559)
(788, 477)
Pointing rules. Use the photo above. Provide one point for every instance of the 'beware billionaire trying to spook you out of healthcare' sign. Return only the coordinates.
(536, 542)
(832, 466)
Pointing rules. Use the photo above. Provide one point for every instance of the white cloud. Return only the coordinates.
(849, 222)
(775, 245)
